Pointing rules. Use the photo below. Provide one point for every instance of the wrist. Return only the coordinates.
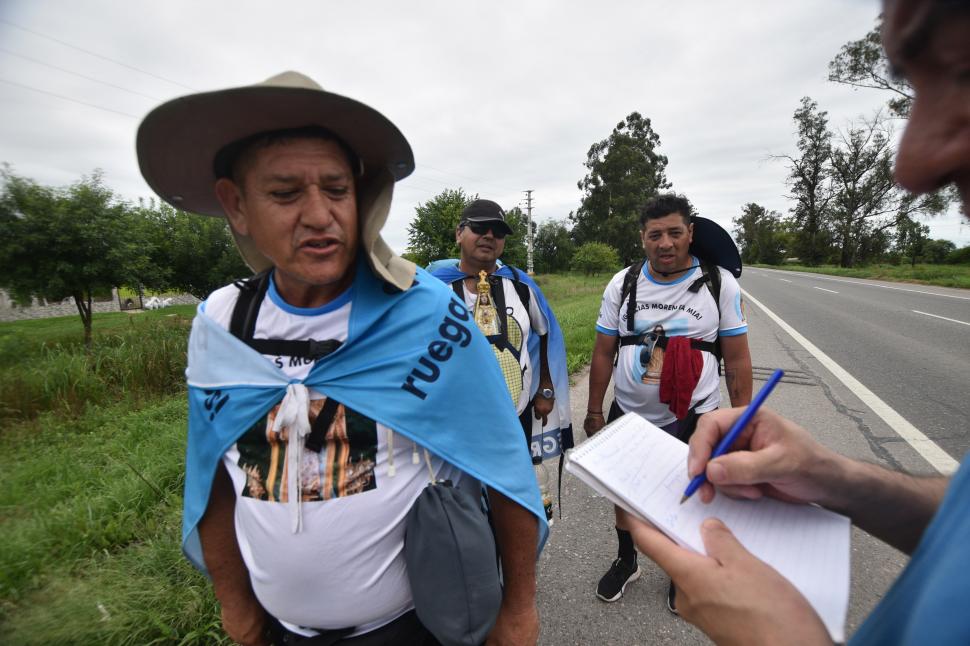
(594, 412)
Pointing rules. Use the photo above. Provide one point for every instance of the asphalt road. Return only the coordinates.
(916, 363)
(909, 344)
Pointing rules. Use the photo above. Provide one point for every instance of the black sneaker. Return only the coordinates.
(672, 599)
(611, 586)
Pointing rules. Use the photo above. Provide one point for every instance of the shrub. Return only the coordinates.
(596, 257)
(959, 257)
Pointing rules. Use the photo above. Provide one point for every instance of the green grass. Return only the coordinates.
(45, 367)
(90, 529)
(91, 473)
(575, 300)
(941, 275)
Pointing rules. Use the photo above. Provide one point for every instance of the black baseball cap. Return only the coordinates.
(484, 211)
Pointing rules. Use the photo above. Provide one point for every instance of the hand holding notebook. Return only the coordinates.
(642, 469)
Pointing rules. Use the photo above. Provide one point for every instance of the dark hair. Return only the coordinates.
(228, 161)
(664, 204)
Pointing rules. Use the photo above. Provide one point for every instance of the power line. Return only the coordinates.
(67, 98)
(96, 55)
(87, 78)
(472, 179)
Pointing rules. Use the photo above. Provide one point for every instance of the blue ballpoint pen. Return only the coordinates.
(725, 445)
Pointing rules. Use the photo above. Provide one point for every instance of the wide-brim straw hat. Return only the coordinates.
(178, 141)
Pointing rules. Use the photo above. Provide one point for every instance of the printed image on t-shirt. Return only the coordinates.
(651, 357)
(343, 467)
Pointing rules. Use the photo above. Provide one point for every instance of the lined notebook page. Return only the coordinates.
(644, 470)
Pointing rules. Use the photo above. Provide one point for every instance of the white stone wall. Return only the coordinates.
(11, 312)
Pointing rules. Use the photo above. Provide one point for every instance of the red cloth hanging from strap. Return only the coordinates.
(680, 374)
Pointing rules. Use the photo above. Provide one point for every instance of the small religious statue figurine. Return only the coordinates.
(486, 316)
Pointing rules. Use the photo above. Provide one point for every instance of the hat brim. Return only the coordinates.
(177, 142)
(713, 244)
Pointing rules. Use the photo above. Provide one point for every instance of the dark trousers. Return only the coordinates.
(682, 429)
(406, 630)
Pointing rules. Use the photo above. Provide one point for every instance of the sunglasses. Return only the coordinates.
(481, 229)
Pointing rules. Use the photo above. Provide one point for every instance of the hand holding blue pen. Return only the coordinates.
(728, 440)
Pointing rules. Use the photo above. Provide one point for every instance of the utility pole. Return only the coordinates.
(528, 208)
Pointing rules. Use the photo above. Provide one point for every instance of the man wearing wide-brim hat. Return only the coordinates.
(315, 386)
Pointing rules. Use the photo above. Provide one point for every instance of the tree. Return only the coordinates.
(808, 181)
(193, 253)
(863, 63)
(937, 251)
(625, 170)
(431, 234)
(866, 201)
(74, 241)
(760, 235)
(595, 257)
(516, 250)
(911, 239)
(554, 247)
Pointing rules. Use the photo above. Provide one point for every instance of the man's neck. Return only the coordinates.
(472, 268)
(672, 275)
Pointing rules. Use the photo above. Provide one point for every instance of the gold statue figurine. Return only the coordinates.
(486, 316)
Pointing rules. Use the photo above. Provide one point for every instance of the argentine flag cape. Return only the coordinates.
(556, 435)
(464, 416)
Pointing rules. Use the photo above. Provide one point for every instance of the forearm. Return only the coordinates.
(737, 369)
(243, 616)
(517, 535)
(892, 506)
(738, 381)
(545, 378)
(600, 372)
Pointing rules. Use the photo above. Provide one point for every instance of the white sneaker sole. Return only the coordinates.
(633, 577)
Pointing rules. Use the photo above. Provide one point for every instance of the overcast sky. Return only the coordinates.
(495, 97)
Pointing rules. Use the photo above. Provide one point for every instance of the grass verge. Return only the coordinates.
(940, 275)
(575, 300)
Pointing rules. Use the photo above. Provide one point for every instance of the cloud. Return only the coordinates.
(494, 97)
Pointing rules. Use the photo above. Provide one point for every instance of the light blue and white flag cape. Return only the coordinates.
(413, 361)
(556, 435)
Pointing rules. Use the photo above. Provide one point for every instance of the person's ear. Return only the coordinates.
(690, 232)
(231, 198)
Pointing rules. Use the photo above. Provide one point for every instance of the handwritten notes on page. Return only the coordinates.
(644, 470)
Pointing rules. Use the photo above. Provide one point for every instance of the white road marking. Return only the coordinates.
(825, 290)
(870, 284)
(937, 316)
(784, 280)
(931, 452)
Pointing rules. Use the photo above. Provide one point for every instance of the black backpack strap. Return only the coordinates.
(458, 286)
(251, 293)
(630, 289)
(522, 291)
(242, 325)
(498, 298)
(711, 276)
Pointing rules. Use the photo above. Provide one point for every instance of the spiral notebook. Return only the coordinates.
(644, 470)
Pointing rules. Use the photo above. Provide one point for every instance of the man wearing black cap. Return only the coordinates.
(302, 377)
(671, 318)
(481, 237)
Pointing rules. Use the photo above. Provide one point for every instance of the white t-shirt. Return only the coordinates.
(680, 313)
(346, 565)
(520, 329)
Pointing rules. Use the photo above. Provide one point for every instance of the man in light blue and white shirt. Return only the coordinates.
(669, 310)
